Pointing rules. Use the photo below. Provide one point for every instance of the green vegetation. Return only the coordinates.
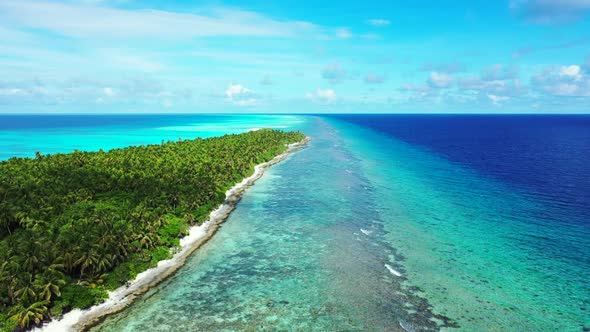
(73, 226)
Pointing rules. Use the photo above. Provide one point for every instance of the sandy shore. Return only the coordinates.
(80, 320)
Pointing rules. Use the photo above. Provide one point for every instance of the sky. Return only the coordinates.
(295, 56)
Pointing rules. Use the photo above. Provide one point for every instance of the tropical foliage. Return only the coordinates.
(75, 225)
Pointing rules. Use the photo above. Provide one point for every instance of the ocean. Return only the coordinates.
(384, 223)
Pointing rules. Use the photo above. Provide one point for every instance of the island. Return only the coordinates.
(75, 226)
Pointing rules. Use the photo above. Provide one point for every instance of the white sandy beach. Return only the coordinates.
(78, 319)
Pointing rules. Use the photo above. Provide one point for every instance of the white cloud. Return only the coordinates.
(378, 22)
(108, 92)
(95, 20)
(565, 81)
(13, 92)
(343, 33)
(440, 80)
(322, 96)
(496, 80)
(34, 89)
(497, 100)
(505, 87)
(571, 71)
(129, 90)
(420, 93)
(240, 95)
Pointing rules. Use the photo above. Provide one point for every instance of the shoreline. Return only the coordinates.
(120, 298)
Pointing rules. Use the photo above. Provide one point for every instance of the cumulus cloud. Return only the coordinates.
(131, 90)
(23, 90)
(572, 71)
(334, 73)
(497, 100)
(240, 95)
(564, 81)
(418, 92)
(497, 80)
(500, 85)
(508, 87)
(550, 11)
(378, 22)
(320, 96)
(440, 80)
(372, 78)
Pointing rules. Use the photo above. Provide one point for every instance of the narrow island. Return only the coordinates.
(76, 227)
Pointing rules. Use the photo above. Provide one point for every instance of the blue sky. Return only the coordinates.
(514, 56)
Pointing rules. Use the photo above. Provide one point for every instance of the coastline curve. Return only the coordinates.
(120, 298)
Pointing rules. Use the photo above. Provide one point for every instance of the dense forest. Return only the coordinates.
(75, 225)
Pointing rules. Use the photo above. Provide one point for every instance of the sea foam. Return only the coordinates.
(393, 271)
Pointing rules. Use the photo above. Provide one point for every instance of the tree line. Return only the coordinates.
(75, 225)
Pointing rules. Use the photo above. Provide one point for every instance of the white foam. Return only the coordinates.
(366, 232)
(407, 326)
(394, 272)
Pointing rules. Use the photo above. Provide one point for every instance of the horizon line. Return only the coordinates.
(344, 113)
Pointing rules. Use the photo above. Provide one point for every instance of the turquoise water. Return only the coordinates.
(390, 238)
(360, 231)
(469, 243)
(23, 135)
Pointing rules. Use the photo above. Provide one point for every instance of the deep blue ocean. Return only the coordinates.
(383, 223)
(544, 156)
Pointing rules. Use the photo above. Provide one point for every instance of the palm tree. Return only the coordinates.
(92, 281)
(27, 316)
(68, 259)
(48, 284)
(87, 260)
(79, 215)
(26, 293)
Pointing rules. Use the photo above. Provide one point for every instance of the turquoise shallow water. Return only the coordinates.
(290, 258)
(482, 253)
(358, 232)
(308, 245)
(23, 135)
